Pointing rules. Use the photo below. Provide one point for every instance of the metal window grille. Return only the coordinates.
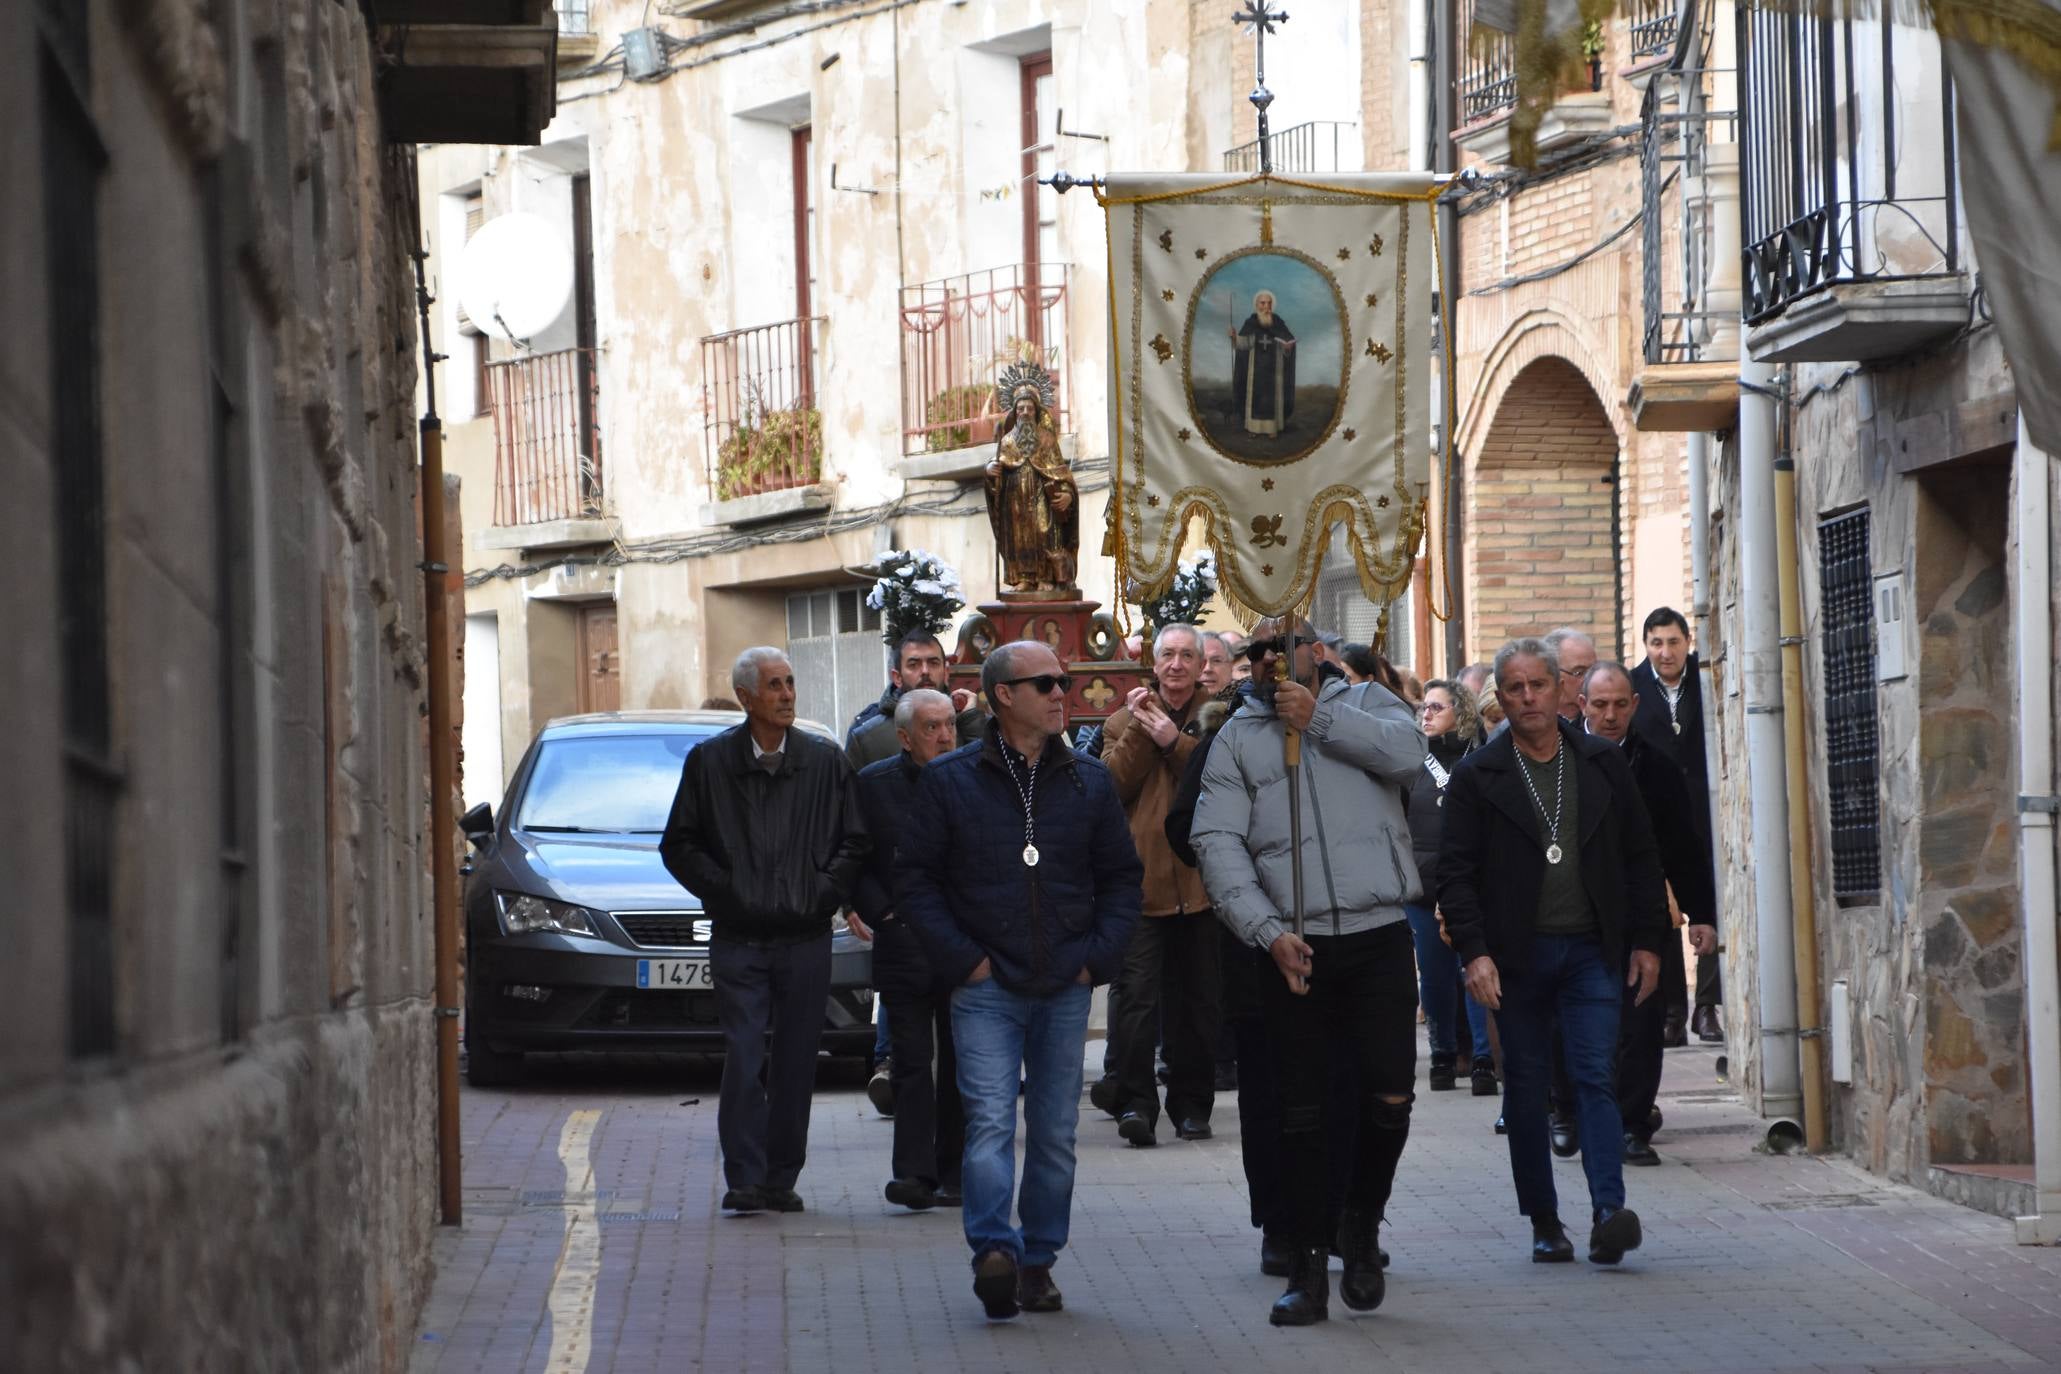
(1488, 70)
(1319, 145)
(1852, 737)
(73, 159)
(1655, 24)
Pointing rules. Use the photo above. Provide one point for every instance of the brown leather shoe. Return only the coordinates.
(1035, 1291)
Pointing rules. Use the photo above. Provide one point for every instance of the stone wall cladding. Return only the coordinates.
(258, 1195)
(1932, 965)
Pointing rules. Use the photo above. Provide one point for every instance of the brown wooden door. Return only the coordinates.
(600, 661)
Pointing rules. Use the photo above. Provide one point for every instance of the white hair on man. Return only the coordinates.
(1565, 635)
(1177, 627)
(1528, 647)
(916, 700)
(744, 674)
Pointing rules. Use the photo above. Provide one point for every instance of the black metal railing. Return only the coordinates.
(1679, 261)
(1319, 145)
(1488, 70)
(1840, 180)
(1654, 27)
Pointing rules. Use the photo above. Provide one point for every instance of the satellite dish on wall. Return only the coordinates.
(515, 277)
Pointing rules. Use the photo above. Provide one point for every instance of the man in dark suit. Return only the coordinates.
(1670, 689)
(1551, 885)
(1608, 706)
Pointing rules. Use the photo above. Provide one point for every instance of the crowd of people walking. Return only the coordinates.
(1279, 856)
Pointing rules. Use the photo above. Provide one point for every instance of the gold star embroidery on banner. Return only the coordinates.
(1372, 300)
(1201, 253)
(1153, 500)
(1344, 254)
(1375, 246)
(1166, 240)
(1351, 434)
(1185, 436)
(1167, 294)
(1266, 484)
(1266, 531)
(1160, 346)
(1377, 351)
(1266, 570)
(1382, 502)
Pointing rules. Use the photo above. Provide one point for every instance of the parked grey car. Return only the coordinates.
(577, 938)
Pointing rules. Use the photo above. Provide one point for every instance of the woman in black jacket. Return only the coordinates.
(1452, 724)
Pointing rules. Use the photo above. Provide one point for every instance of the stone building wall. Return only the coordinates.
(1931, 962)
(245, 1179)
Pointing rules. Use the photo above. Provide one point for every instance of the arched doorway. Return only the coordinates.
(1543, 522)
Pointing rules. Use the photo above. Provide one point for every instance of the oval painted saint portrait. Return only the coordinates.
(1266, 355)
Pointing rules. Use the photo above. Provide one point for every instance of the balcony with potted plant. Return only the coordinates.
(763, 432)
(958, 333)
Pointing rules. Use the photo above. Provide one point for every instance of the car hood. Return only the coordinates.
(607, 872)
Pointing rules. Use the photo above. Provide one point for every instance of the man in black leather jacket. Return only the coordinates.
(766, 830)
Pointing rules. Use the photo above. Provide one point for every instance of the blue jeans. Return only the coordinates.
(1567, 978)
(1440, 982)
(1002, 1036)
(881, 1045)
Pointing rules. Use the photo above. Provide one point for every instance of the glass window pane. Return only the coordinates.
(610, 783)
(797, 617)
(847, 612)
(821, 619)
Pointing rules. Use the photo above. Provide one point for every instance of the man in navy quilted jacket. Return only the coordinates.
(1019, 876)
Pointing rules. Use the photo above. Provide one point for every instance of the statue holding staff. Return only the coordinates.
(1033, 501)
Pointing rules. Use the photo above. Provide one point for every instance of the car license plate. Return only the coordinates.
(674, 974)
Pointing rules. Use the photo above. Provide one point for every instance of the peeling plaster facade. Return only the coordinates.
(917, 109)
(232, 1165)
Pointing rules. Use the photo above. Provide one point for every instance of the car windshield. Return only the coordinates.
(610, 784)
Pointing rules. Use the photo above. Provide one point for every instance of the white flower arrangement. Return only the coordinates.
(1185, 599)
(915, 591)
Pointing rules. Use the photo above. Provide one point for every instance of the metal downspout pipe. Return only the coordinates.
(1773, 1003)
(1810, 1047)
(2032, 632)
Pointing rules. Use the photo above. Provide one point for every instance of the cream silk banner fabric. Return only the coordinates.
(1271, 366)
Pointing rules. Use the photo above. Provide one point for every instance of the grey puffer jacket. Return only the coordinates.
(1363, 748)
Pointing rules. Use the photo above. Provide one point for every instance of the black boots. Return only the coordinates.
(1308, 1299)
(1549, 1242)
(1363, 1285)
(1443, 1078)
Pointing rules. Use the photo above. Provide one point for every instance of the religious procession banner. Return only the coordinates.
(1271, 368)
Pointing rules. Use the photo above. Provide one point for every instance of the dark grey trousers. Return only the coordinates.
(763, 1116)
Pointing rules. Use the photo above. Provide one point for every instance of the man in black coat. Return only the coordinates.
(1018, 871)
(1670, 688)
(1551, 885)
(930, 1126)
(1608, 704)
(765, 829)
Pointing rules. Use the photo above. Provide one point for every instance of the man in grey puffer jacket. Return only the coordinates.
(1350, 988)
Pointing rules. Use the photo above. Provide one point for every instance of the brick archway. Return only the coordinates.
(1542, 518)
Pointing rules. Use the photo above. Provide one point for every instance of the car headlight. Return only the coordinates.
(523, 914)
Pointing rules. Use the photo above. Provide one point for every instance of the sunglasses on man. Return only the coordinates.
(1042, 684)
(1260, 648)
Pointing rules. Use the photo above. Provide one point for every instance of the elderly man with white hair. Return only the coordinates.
(766, 830)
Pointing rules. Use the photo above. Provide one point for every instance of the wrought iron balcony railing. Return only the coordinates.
(1677, 224)
(957, 336)
(762, 430)
(547, 437)
(1320, 145)
(1848, 172)
(1488, 70)
(1654, 26)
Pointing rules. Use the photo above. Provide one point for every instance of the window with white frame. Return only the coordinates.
(1342, 608)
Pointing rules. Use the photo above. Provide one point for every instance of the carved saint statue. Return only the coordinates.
(1033, 503)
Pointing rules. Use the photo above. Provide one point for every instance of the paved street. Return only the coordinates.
(592, 1242)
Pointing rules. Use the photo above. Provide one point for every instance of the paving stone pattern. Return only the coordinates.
(1752, 1262)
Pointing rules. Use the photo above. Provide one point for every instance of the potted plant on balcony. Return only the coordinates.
(960, 417)
(1592, 53)
(770, 450)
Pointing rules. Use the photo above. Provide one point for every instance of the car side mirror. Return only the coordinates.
(478, 825)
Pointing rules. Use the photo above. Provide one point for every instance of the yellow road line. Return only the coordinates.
(579, 1259)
